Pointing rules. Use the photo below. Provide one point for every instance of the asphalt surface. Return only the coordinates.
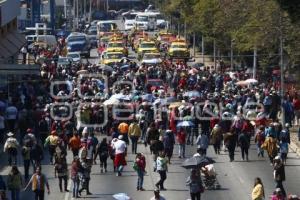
(236, 178)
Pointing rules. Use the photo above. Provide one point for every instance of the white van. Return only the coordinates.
(49, 40)
(146, 21)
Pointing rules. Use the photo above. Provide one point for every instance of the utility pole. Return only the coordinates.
(90, 15)
(84, 9)
(254, 62)
(77, 14)
(231, 55)
(65, 9)
(194, 45)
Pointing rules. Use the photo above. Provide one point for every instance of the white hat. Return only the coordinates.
(10, 134)
(277, 158)
(120, 137)
(287, 125)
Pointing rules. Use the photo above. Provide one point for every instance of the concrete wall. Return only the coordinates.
(10, 9)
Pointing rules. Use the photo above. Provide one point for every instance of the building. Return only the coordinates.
(10, 40)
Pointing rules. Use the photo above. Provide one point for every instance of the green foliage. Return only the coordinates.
(249, 23)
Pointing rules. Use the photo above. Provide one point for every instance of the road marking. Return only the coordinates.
(241, 180)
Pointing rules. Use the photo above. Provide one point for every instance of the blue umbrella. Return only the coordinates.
(100, 84)
(185, 124)
(192, 94)
(124, 67)
(148, 97)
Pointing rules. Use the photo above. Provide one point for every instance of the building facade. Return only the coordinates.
(10, 40)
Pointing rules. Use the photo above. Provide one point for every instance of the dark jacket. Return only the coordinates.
(279, 172)
(36, 153)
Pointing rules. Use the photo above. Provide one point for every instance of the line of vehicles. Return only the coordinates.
(113, 44)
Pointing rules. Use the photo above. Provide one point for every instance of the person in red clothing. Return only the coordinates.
(296, 104)
(181, 138)
(140, 166)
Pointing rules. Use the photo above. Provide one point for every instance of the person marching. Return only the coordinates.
(279, 174)
(61, 171)
(11, 148)
(134, 132)
(216, 138)
(195, 183)
(258, 192)
(139, 167)
(270, 145)
(120, 153)
(38, 182)
(26, 151)
(51, 141)
(14, 183)
(102, 150)
(162, 168)
(74, 144)
(76, 169)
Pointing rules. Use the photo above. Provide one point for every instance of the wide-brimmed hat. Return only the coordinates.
(9, 134)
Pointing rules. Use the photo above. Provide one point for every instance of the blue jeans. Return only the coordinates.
(181, 150)
(15, 194)
(76, 183)
(140, 180)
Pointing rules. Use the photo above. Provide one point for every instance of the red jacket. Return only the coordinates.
(141, 163)
(181, 137)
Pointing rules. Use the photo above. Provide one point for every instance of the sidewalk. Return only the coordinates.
(295, 144)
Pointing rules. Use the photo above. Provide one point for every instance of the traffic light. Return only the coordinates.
(28, 13)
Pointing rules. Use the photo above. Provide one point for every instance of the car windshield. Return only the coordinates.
(106, 27)
(142, 18)
(63, 60)
(115, 45)
(114, 56)
(178, 46)
(76, 38)
(147, 45)
(151, 56)
(160, 17)
(130, 16)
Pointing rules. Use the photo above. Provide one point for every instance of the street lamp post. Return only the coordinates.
(254, 61)
(282, 79)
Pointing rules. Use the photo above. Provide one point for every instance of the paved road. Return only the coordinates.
(236, 178)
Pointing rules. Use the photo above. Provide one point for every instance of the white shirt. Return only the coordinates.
(119, 146)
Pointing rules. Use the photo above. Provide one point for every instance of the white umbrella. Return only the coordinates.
(251, 81)
(121, 196)
(111, 101)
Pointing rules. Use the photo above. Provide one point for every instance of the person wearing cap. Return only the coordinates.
(157, 195)
(11, 148)
(120, 148)
(51, 141)
(123, 130)
(279, 174)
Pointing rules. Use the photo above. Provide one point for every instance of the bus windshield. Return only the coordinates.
(107, 27)
(142, 18)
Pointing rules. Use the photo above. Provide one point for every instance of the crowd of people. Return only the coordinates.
(69, 105)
